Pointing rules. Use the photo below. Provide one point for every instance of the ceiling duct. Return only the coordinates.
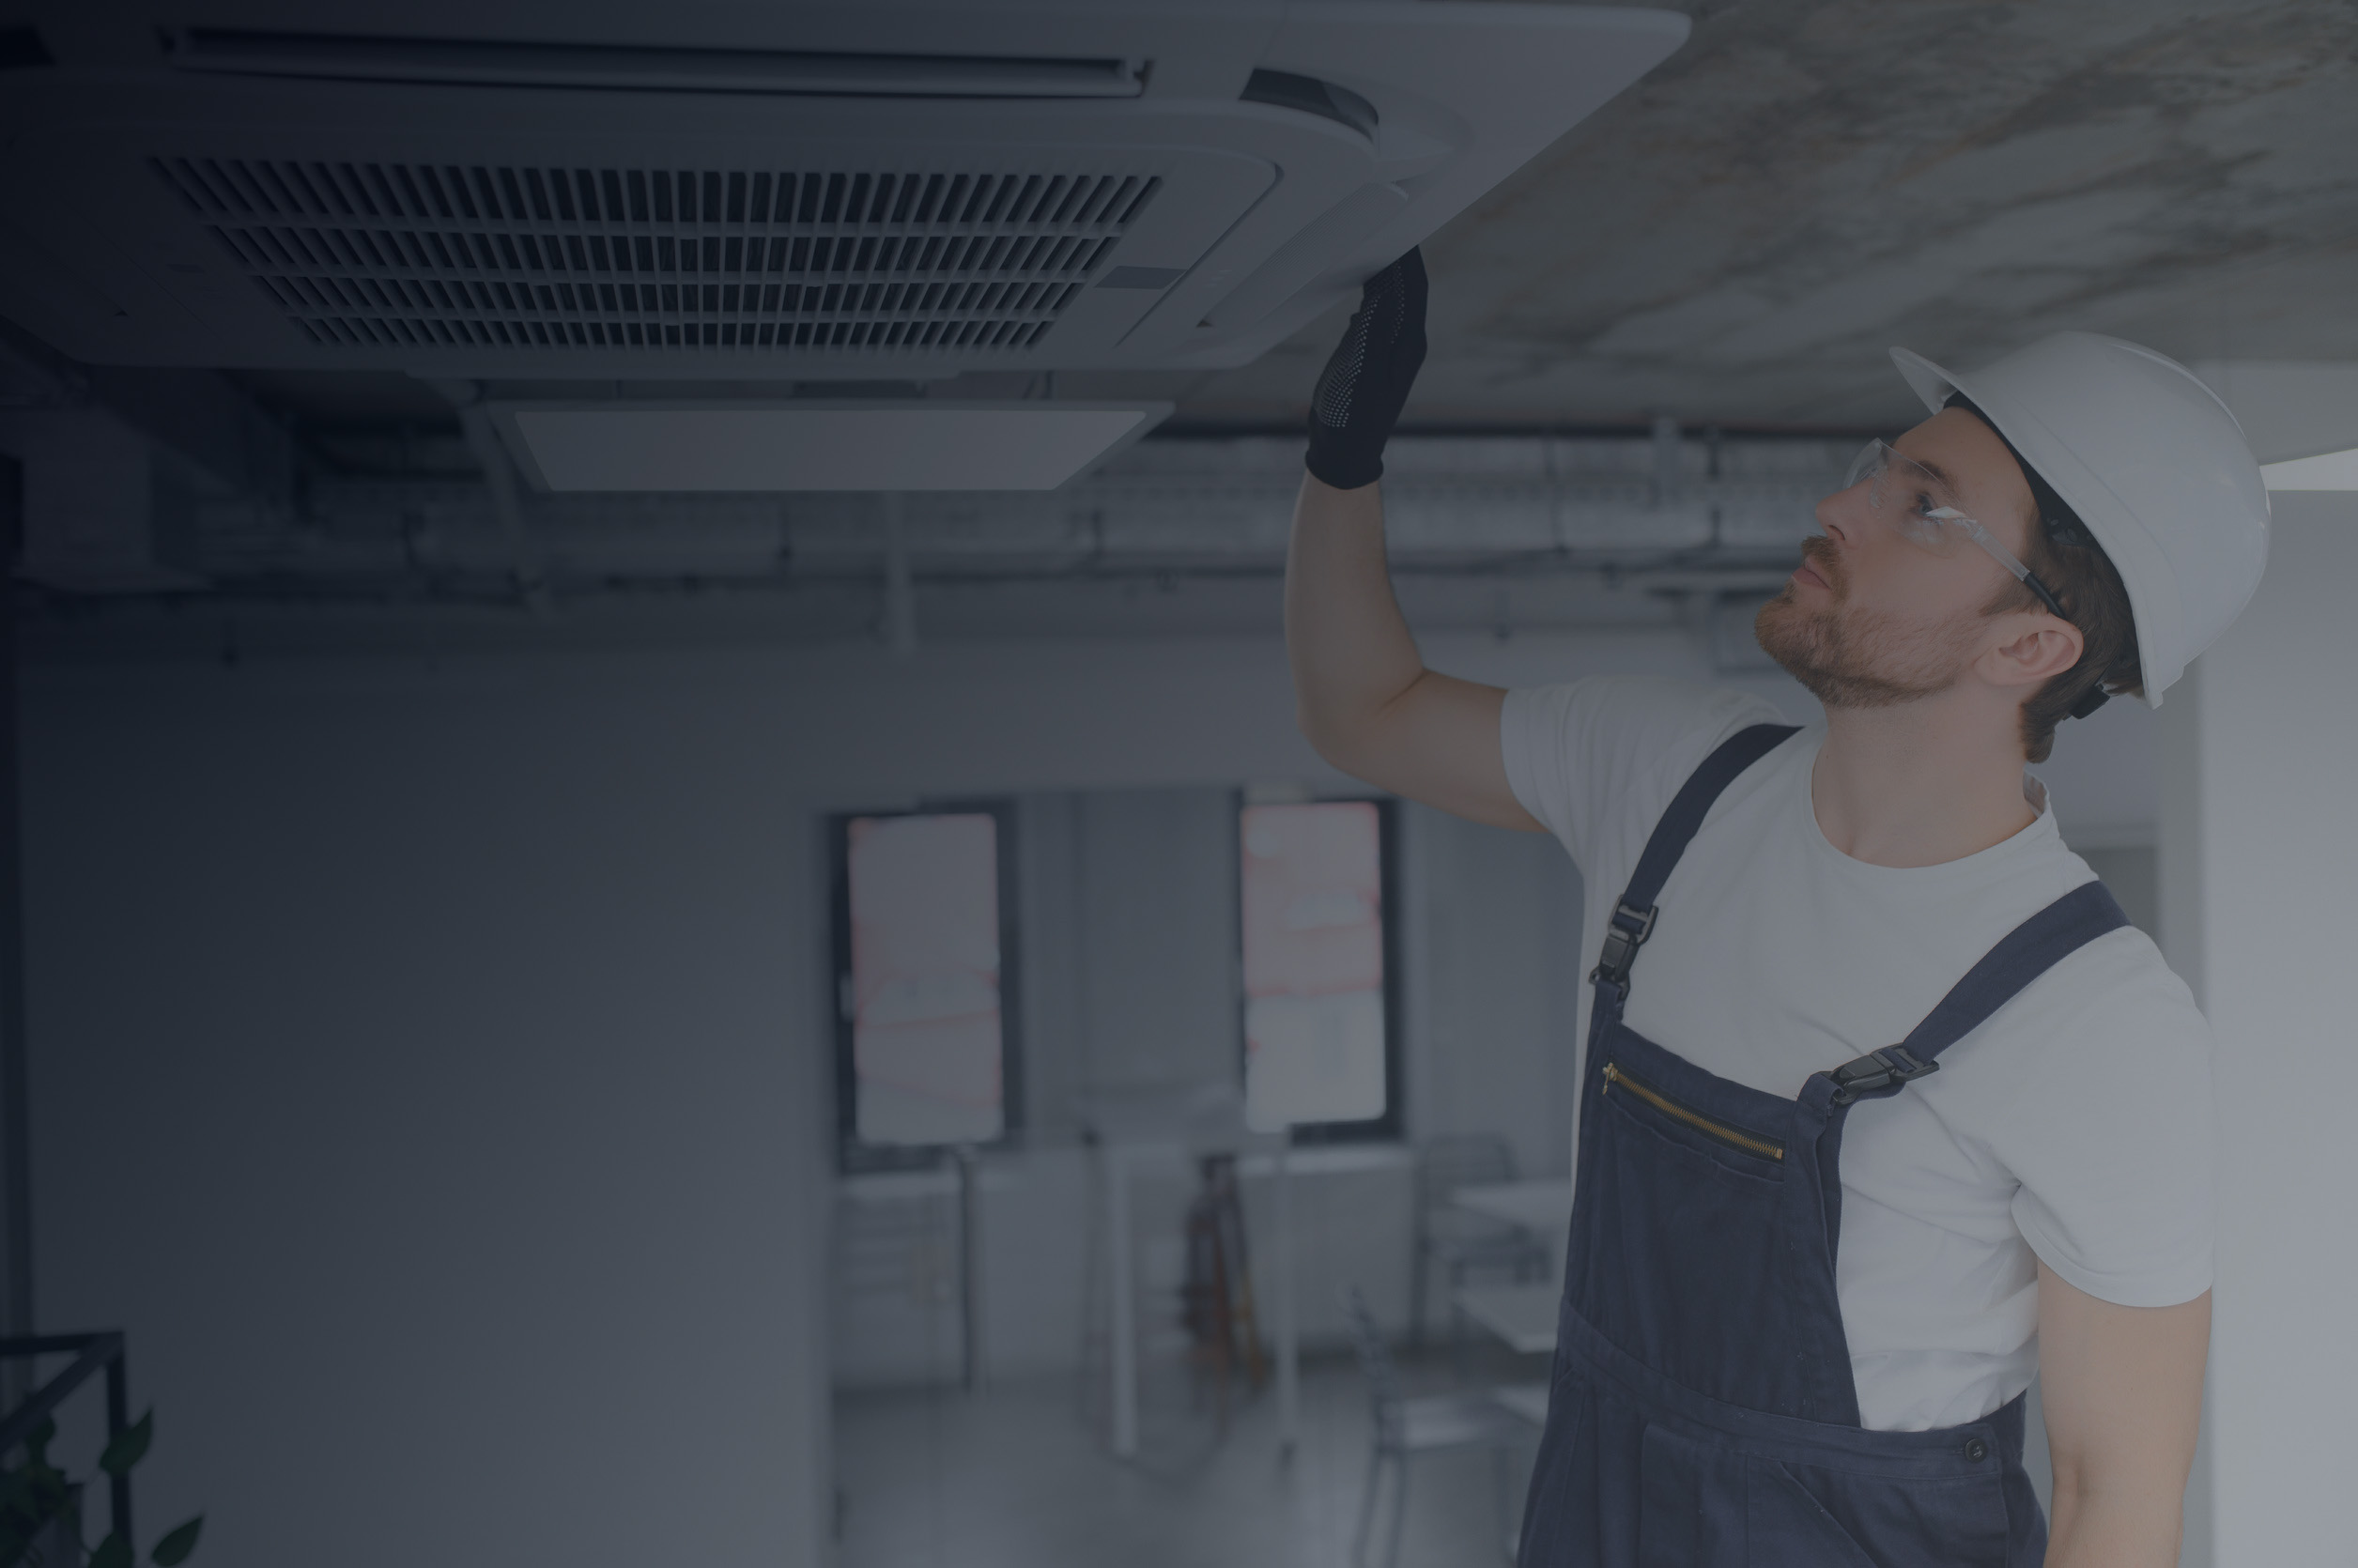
(887, 190)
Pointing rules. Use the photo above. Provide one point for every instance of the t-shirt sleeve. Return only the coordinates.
(2112, 1130)
(1583, 757)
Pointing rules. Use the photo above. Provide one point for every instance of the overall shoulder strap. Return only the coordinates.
(2029, 951)
(1632, 921)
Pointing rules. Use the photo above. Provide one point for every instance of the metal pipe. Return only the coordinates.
(16, 1163)
(900, 628)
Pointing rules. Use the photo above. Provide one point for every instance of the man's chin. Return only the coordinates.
(1791, 637)
(1780, 629)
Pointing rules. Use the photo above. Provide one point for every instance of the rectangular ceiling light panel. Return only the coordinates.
(883, 190)
(816, 446)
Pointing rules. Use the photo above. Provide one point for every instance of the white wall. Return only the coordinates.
(1156, 956)
(412, 1081)
(1498, 1052)
(427, 1055)
(2259, 862)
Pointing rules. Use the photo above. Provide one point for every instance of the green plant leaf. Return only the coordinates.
(16, 1492)
(129, 1445)
(114, 1552)
(31, 1497)
(174, 1548)
(38, 1444)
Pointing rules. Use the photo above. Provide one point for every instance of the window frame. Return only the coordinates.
(855, 1157)
(1391, 1126)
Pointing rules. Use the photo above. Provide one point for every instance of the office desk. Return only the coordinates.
(1542, 1208)
(1524, 1316)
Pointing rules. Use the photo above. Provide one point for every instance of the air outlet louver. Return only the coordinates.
(371, 256)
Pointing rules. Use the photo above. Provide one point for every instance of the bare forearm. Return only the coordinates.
(1362, 693)
(2129, 1529)
(2122, 1387)
(1350, 648)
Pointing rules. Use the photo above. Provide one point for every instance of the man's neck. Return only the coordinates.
(1919, 783)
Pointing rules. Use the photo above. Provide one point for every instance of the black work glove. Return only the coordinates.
(1360, 398)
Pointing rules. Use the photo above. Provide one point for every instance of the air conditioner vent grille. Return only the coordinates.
(368, 256)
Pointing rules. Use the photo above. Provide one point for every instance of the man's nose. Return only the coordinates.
(1831, 513)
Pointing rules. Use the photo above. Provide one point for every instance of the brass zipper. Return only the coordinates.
(1672, 1108)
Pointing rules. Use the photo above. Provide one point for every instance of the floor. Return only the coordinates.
(1017, 1478)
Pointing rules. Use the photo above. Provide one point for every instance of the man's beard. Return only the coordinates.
(1855, 660)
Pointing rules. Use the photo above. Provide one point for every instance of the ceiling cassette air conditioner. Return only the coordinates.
(880, 190)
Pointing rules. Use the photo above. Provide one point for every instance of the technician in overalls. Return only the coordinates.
(1884, 1106)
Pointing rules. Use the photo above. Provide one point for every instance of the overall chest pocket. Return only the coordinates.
(1758, 1154)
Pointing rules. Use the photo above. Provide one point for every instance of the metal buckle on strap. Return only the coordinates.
(1625, 934)
(1888, 1069)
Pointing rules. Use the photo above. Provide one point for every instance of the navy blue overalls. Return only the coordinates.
(1701, 1413)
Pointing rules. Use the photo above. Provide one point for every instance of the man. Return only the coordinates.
(1884, 1105)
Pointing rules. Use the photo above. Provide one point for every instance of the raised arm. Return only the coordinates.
(2122, 1387)
(1362, 693)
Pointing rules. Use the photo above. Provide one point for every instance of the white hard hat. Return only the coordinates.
(2153, 462)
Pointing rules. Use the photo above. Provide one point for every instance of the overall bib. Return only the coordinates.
(1701, 1412)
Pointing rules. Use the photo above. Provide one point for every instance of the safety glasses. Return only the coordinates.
(1915, 502)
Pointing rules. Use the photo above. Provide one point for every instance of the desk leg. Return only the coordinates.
(969, 1266)
(1288, 1324)
(1124, 1301)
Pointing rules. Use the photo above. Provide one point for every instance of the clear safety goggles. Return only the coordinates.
(1916, 503)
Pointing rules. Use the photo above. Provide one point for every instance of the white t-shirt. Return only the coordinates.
(2076, 1124)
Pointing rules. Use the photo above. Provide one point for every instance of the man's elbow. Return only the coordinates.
(1319, 729)
(1338, 742)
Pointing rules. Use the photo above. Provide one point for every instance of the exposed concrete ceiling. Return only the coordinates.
(1739, 237)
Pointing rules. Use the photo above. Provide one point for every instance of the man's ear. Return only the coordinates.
(2037, 649)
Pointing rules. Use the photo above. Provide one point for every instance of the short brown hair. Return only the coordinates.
(2085, 581)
